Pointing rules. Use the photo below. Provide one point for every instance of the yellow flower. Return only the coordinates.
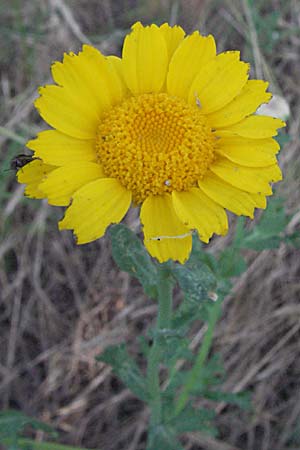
(169, 127)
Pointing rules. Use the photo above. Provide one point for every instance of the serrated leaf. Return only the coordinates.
(184, 315)
(268, 233)
(172, 344)
(174, 350)
(231, 263)
(201, 259)
(195, 277)
(293, 239)
(132, 257)
(258, 242)
(195, 280)
(13, 422)
(241, 399)
(176, 381)
(274, 219)
(126, 369)
(212, 374)
(143, 345)
(163, 438)
(191, 419)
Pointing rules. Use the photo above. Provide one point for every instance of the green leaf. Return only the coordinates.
(173, 346)
(163, 438)
(195, 279)
(191, 419)
(126, 369)
(231, 263)
(268, 233)
(13, 423)
(132, 257)
(185, 314)
(293, 239)
(241, 399)
(31, 444)
(212, 375)
(174, 350)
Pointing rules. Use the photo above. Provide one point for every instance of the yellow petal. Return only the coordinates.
(173, 36)
(164, 235)
(236, 200)
(144, 59)
(250, 179)
(59, 149)
(197, 211)
(250, 98)
(88, 84)
(249, 152)
(95, 206)
(118, 68)
(60, 184)
(219, 82)
(190, 56)
(254, 127)
(32, 174)
(63, 111)
(93, 74)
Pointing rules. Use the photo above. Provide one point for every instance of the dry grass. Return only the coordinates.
(61, 305)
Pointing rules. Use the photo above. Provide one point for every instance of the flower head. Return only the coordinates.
(169, 127)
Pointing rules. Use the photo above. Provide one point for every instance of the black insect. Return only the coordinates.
(20, 161)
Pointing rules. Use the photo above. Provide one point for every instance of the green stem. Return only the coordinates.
(195, 373)
(163, 322)
(164, 299)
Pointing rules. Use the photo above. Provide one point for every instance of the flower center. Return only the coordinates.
(153, 144)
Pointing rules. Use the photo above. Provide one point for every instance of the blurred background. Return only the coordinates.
(60, 305)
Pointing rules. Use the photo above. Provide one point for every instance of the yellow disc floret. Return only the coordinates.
(155, 143)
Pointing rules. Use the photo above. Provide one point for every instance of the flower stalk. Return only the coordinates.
(163, 323)
(196, 372)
